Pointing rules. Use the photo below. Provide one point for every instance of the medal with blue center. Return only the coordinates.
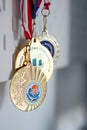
(49, 41)
(28, 86)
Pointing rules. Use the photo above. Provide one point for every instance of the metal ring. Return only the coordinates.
(43, 13)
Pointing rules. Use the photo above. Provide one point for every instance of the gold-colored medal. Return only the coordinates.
(28, 88)
(40, 57)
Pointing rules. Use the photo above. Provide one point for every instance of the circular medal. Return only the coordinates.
(40, 57)
(28, 88)
(51, 44)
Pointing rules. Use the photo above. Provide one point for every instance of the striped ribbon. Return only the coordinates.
(28, 9)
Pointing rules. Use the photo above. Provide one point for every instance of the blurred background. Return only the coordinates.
(66, 102)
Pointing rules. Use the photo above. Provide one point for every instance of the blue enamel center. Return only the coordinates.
(33, 92)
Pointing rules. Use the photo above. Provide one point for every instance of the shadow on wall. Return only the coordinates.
(78, 30)
(71, 82)
(70, 95)
(2, 93)
(70, 87)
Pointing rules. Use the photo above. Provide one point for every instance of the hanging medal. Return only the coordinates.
(40, 56)
(46, 40)
(28, 86)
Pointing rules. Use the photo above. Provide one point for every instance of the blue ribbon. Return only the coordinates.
(34, 9)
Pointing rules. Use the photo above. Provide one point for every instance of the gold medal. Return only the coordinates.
(28, 88)
(40, 57)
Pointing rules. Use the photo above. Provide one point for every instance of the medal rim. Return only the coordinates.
(53, 41)
(41, 99)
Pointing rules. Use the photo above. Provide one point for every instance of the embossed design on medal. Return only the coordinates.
(28, 86)
(28, 90)
(49, 41)
(40, 57)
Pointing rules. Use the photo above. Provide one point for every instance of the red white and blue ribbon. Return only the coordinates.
(35, 7)
(26, 18)
(28, 12)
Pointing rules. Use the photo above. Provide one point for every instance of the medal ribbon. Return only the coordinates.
(26, 17)
(28, 12)
(35, 7)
